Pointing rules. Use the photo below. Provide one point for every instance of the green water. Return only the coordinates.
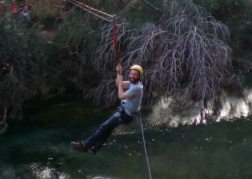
(38, 147)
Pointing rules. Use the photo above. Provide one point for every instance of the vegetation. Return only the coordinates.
(238, 17)
(21, 64)
(186, 52)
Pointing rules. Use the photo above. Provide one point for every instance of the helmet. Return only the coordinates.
(138, 68)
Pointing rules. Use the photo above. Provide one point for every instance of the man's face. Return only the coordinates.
(134, 76)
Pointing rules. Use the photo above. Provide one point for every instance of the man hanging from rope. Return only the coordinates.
(130, 93)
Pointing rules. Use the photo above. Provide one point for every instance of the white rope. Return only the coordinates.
(101, 14)
(92, 10)
(145, 149)
(127, 7)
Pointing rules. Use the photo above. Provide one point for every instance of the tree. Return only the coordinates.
(238, 17)
(20, 67)
(185, 54)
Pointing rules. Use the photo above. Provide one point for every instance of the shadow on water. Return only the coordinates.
(37, 147)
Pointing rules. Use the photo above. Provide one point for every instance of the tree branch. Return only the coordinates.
(3, 122)
(152, 6)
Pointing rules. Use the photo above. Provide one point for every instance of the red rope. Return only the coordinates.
(115, 41)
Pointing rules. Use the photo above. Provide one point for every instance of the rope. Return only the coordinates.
(92, 10)
(98, 13)
(127, 7)
(145, 149)
(115, 41)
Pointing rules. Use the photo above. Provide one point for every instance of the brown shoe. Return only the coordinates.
(79, 146)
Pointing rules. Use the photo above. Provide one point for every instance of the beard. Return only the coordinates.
(134, 80)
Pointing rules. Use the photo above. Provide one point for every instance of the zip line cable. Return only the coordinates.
(93, 11)
(127, 7)
(99, 13)
(91, 8)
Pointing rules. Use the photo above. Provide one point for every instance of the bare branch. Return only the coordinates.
(185, 55)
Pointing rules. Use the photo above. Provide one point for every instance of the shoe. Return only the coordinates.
(79, 146)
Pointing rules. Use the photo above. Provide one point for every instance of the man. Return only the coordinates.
(25, 14)
(14, 8)
(130, 93)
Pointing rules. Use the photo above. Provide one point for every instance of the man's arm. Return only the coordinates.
(125, 84)
(121, 94)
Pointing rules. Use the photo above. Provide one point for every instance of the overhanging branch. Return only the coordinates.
(152, 6)
(3, 122)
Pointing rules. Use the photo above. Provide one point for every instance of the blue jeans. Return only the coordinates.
(103, 132)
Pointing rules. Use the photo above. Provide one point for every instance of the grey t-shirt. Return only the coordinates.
(133, 104)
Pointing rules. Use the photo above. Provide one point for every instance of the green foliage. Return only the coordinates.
(75, 33)
(30, 67)
(70, 55)
(210, 5)
(20, 65)
(237, 15)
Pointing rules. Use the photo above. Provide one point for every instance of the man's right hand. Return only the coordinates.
(119, 69)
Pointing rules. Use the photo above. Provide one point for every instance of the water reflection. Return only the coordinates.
(45, 172)
(231, 106)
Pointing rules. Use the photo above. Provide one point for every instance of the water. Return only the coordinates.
(37, 147)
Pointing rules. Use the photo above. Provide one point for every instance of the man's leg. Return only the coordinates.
(94, 142)
(103, 132)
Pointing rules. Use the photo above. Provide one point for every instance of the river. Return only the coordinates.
(38, 146)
